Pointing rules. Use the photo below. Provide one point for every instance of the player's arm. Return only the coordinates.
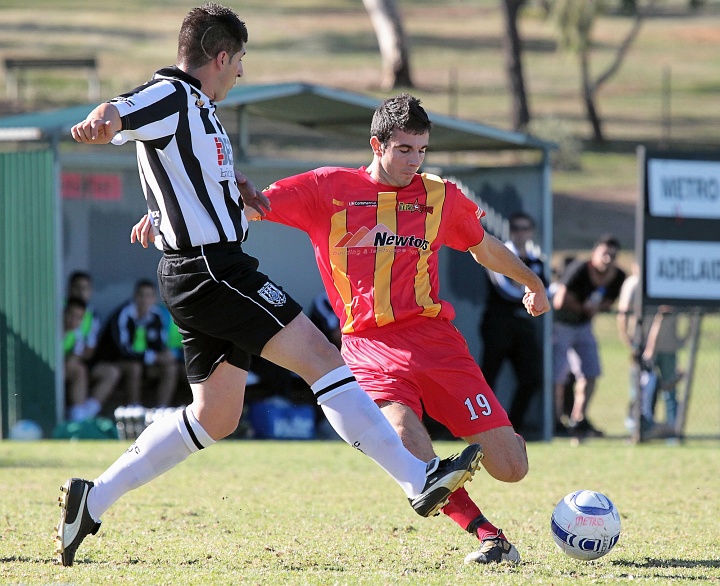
(494, 255)
(256, 202)
(100, 125)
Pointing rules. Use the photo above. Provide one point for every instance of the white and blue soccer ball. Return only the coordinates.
(585, 525)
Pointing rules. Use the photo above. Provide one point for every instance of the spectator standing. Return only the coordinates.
(135, 338)
(657, 347)
(585, 288)
(507, 330)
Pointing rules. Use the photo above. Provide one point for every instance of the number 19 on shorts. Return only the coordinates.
(481, 406)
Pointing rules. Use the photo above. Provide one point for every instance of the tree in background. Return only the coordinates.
(575, 20)
(387, 22)
(512, 48)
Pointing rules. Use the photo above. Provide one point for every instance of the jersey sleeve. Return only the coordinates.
(464, 228)
(150, 112)
(293, 201)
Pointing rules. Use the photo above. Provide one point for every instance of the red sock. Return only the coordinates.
(468, 515)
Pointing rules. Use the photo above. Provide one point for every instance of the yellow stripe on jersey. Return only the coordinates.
(339, 265)
(387, 216)
(435, 188)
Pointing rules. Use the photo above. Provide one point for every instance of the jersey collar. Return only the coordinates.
(175, 72)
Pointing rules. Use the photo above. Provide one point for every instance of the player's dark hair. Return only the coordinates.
(207, 30)
(402, 112)
(608, 240)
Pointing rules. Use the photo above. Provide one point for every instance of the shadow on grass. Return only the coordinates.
(667, 563)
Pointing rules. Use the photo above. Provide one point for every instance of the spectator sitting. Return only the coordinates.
(135, 338)
(102, 377)
(80, 287)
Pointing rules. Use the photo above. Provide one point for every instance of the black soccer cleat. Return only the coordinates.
(494, 550)
(444, 477)
(75, 520)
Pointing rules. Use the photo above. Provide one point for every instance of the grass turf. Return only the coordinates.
(320, 513)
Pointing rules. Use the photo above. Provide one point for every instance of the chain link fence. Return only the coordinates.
(610, 404)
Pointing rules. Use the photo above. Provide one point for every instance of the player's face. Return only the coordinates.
(230, 70)
(400, 159)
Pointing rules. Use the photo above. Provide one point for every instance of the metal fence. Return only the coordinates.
(609, 407)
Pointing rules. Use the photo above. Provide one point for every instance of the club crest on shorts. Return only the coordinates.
(272, 294)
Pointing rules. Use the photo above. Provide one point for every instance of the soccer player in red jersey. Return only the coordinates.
(376, 232)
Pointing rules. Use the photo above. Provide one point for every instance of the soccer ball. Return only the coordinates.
(585, 525)
(25, 430)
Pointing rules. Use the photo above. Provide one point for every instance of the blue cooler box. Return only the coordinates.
(274, 419)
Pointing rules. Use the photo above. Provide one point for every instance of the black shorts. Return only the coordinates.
(223, 306)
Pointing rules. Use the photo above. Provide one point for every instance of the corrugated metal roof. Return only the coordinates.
(313, 106)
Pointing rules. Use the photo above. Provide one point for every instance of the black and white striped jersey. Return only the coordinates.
(185, 161)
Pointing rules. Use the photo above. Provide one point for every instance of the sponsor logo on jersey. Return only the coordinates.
(272, 294)
(363, 204)
(380, 236)
(415, 207)
(224, 150)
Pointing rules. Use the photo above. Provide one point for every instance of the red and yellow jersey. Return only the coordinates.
(377, 245)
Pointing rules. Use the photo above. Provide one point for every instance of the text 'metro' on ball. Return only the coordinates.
(585, 525)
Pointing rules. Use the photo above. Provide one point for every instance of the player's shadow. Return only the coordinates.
(667, 563)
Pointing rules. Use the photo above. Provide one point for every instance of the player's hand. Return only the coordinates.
(142, 232)
(251, 197)
(536, 302)
(93, 131)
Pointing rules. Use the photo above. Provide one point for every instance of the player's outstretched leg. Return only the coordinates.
(444, 477)
(75, 520)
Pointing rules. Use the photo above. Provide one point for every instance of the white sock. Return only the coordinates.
(162, 446)
(359, 421)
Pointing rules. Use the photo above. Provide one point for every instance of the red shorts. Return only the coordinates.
(425, 363)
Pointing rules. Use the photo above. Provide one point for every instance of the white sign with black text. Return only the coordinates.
(682, 269)
(684, 189)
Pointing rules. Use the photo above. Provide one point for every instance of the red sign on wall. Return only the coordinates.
(97, 186)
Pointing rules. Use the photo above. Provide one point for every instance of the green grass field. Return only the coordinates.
(250, 512)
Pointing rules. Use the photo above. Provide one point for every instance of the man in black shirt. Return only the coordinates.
(586, 288)
(508, 331)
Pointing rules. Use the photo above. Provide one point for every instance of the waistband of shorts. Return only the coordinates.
(395, 326)
(204, 248)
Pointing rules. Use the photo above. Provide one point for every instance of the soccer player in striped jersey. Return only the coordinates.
(376, 232)
(225, 309)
